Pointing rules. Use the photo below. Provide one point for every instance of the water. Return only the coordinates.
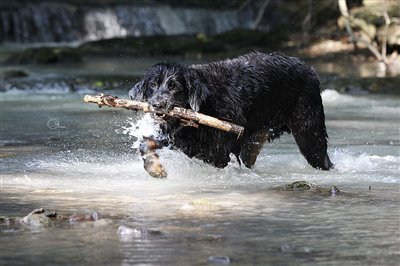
(61, 154)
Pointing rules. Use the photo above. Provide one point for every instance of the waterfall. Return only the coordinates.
(46, 22)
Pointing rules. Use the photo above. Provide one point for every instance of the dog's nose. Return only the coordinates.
(158, 103)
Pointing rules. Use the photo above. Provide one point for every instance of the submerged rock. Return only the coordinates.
(87, 217)
(39, 217)
(334, 190)
(307, 186)
(199, 207)
(210, 238)
(301, 186)
(223, 260)
(7, 221)
(129, 232)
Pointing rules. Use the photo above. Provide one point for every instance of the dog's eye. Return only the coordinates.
(153, 85)
(172, 86)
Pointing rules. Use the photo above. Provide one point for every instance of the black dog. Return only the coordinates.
(266, 94)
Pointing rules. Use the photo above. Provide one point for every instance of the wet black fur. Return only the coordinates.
(268, 94)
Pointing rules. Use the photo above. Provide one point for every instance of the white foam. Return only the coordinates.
(46, 89)
(348, 162)
(332, 97)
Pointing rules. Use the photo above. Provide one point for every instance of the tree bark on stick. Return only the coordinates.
(193, 117)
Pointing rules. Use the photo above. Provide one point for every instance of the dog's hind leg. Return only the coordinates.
(313, 147)
(252, 146)
(311, 137)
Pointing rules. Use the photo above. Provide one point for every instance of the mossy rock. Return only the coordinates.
(307, 186)
(301, 186)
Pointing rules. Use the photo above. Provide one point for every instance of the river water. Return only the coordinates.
(59, 153)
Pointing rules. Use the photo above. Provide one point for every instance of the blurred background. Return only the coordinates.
(76, 45)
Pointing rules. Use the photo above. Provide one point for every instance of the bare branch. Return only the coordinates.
(386, 33)
(345, 13)
(372, 46)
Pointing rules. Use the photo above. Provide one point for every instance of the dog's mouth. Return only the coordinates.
(161, 113)
(161, 110)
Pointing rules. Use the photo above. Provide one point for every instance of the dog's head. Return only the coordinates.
(167, 85)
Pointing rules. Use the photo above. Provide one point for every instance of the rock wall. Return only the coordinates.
(52, 22)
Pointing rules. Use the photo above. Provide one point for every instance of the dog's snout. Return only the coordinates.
(158, 102)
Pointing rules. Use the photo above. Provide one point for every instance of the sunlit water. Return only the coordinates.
(61, 154)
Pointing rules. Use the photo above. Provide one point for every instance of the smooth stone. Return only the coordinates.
(124, 230)
(38, 217)
(307, 186)
(224, 260)
(87, 217)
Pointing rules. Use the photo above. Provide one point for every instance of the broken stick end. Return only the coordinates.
(87, 98)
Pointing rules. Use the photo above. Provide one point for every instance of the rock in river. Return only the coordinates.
(39, 217)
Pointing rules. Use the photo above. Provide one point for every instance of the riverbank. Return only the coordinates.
(119, 63)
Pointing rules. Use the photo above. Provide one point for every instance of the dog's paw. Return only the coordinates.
(153, 166)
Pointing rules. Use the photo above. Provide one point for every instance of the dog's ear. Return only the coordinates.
(198, 91)
(194, 100)
(137, 91)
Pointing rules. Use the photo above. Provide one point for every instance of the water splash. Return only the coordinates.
(361, 162)
(139, 128)
(332, 97)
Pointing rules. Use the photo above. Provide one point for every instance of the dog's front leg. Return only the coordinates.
(151, 159)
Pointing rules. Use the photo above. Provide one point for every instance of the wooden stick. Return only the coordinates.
(112, 101)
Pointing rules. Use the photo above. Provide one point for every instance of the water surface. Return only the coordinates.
(59, 153)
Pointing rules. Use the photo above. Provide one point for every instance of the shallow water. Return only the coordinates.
(61, 154)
